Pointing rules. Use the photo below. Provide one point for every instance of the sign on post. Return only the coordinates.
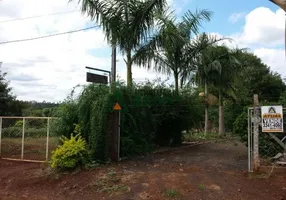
(272, 119)
(96, 78)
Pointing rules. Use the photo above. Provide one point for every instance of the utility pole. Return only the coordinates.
(114, 127)
(113, 65)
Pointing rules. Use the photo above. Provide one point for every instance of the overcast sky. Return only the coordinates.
(47, 69)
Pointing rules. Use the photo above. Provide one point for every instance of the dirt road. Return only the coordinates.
(207, 171)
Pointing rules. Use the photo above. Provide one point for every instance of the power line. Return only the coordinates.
(46, 36)
(37, 16)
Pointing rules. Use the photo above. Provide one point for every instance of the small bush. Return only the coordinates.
(71, 154)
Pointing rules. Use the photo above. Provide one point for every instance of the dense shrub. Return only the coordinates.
(71, 154)
(268, 147)
(68, 116)
(152, 115)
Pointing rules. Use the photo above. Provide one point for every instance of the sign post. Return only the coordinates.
(116, 132)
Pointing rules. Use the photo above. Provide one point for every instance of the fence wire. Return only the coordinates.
(272, 146)
(27, 138)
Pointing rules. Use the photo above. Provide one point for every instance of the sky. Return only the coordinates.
(49, 68)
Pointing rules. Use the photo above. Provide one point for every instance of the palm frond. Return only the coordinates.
(193, 21)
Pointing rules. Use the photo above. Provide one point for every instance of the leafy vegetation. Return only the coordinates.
(171, 50)
(71, 154)
(152, 115)
(172, 193)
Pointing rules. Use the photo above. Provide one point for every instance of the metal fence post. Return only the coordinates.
(249, 142)
(47, 144)
(23, 139)
(256, 162)
(0, 135)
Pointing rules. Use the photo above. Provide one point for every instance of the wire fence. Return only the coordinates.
(27, 138)
(271, 146)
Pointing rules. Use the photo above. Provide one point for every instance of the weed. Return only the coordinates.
(201, 187)
(92, 165)
(258, 176)
(114, 179)
(114, 189)
(111, 173)
(172, 193)
(100, 182)
(200, 137)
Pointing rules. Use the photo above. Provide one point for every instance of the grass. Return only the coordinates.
(111, 173)
(172, 193)
(189, 137)
(12, 146)
(115, 189)
(212, 136)
(201, 187)
(258, 176)
(31, 141)
(110, 183)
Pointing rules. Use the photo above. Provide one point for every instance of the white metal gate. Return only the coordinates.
(27, 138)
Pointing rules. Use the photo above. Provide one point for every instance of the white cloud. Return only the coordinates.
(235, 17)
(275, 58)
(47, 69)
(263, 33)
(263, 27)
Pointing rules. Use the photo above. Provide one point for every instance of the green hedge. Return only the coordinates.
(151, 116)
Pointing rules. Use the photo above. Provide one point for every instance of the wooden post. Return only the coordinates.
(256, 122)
(0, 133)
(114, 134)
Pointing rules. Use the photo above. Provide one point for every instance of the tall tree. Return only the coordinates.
(227, 67)
(206, 67)
(169, 51)
(126, 23)
(8, 103)
(257, 79)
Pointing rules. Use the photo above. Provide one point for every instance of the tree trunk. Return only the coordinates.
(182, 83)
(206, 110)
(129, 69)
(176, 77)
(221, 131)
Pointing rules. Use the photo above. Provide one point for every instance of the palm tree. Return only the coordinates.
(169, 51)
(126, 23)
(206, 67)
(225, 65)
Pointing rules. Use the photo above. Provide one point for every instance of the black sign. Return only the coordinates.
(95, 78)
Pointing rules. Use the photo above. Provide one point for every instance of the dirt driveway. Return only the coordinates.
(207, 171)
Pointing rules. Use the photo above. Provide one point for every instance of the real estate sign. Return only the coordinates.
(272, 119)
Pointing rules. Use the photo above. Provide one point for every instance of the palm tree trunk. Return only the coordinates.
(176, 77)
(182, 83)
(129, 69)
(221, 131)
(206, 110)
